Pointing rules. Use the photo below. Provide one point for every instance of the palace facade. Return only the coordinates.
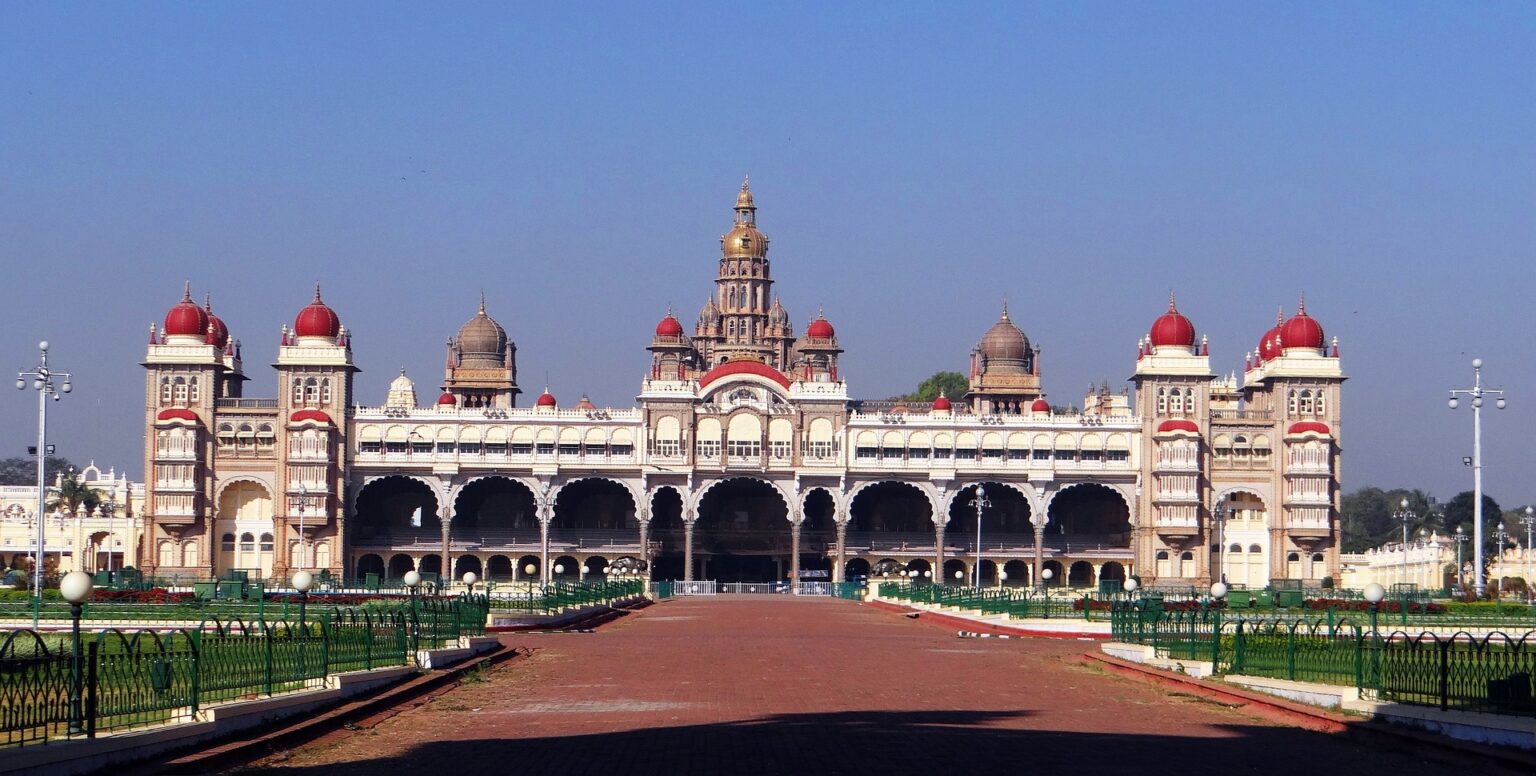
(745, 458)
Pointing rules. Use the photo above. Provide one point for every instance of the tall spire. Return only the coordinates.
(745, 208)
(1301, 306)
(482, 301)
(1005, 309)
(1172, 304)
(186, 292)
(317, 292)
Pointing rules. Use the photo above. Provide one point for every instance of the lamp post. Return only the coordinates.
(1477, 392)
(1529, 520)
(1130, 586)
(41, 378)
(1500, 537)
(1402, 515)
(111, 507)
(469, 581)
(1045, 582)
(303, 581)
(1460, 538)
(303, 496)
(1221, 513)
(413, 582)
(76, 589)
(1373, 595)
(980, 502)
(1218, 593)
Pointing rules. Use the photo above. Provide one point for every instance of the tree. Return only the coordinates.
(1458, 512)
(23, 470)
(73, 494)
(951, 384)
(1370, 517)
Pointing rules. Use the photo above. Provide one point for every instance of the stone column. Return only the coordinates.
(1039, 553)
(544, 551)
(840, 558)
(645, 547)
(687, 550)
(794, 553)
(938, 551)
(447, 572)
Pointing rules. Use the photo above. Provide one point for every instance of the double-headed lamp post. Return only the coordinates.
(1477, 392)
(303, 496)
(41, 380)
(1500, 538)
(980, 502)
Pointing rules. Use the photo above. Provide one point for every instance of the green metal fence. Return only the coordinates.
(1017, 602)
(1462, 671)
(143, 677)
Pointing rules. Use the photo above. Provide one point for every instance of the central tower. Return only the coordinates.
(742, 321)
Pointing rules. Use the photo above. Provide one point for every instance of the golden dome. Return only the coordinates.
(744, 199)
(744, 241)
(1005, 346)
(482, 342)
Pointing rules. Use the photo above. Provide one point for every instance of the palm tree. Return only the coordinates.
(72, 494)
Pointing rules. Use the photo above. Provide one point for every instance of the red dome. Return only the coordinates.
(941, 404)
(669, 327)
(1302, 331)
(446, 400)
(1308, 427)
(744, 368)
(585, 403)
(1173, 329)
(216, 332)
(1178, 425)
(315, 415)
(1269, 347)
(317, 320)
(820, 328)
(177, 413)
(1040, 405)
(186, 319)
(546, 399)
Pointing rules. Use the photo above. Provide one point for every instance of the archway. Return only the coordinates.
(431, 564)
(818, 536)
(742, 533)
(595, 568)
(957, 572)
(370, 563)
(665, 534)
(399, 564)
(891, 517)
(856, 570)
(527, 567)
(923, 568)
(1080, 574)
(1057, 578)
(467, 564)
(566, 569)
(495, 513)
(1089, 513)
(1005, 523)
(594, 512)
(398, 513)
(1017, 573)
(498, 568)
(988, 572)
(245, 507)
(1112, 572)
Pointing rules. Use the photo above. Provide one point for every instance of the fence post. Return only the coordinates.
(90, 691)
(1445, 672)
(269, 634)
(1238, 646)
(1290, 652)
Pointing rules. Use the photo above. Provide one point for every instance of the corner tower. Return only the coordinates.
(482, 364)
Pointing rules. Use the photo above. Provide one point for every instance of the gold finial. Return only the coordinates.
(1172, 305)
(1301, 306)
(208, 302)
(186, 292)
(317, 291)
(482, 301)
(1005, 308)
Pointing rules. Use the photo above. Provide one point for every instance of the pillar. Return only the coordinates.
(840, 557)
(687, 550)
(544, 551)
(645, 547)
(447, 572)
(1034, 576)
(794, 553)
(938, 551)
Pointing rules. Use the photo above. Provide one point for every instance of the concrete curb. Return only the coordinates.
(976, 627)
(1432, 745)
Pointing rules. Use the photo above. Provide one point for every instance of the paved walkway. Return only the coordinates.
(772, 685)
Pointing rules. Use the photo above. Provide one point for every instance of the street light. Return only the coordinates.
(1402, 515)
(1218, 593)
(303, 496)
(302, 582)
(412, 580)
(1221, 512)
(1477, 391)
(469, 581)
(1460, 538)
(76, 589)
(1528, 521)
(1131, 585)
(980, 502)
(1500, 537)
(41, 378)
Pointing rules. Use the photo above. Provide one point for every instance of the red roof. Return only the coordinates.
(186, 319)
(1302, 331)
(217, 333)
(669, 327)
(446, 399)
(315, 415)
(177, 413)
(317, 320)
(744, 368)
(1309, 427)
(941, 404)
(546, 399)
(820, 328)
(1040, 405)
(1178, 425)
(1173, 329)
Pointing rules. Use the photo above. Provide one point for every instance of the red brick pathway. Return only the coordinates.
(772, 685)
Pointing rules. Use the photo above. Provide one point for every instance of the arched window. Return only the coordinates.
(181, 390)
(1305, 404)
(1290, 403)
(165, 390)
(325, 392)
(227, 543)
(247, 542)
(1320, 406)
(192, 392)
(311, 391)
(1176, 402)
(298, 391)
(1162, 400)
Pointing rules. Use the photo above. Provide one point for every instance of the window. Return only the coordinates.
(1305, 405)
(941, 453)
(570, 449)
(622, 451)
(779, 450)
(1041, 455)
(1117, 455)
(891, 453)
(227, 543)
(325, 392)
(866, 453)
(394, 447)
(669, 447)
(247, 542)
(709, 448)
(1290, 403)
(965, 453)
(1018, 455)
(298, 391)
(1093, 455)
(370, 447)
(597, 450)
(520, 448)
(442, 447)
(469, 448)
(1065, 455)
(544, 448)
(266, 542)
(1176, 402)
(917, 453)
(495, 448)
(311, 391)
(193, 394)
(181, 390)
(165, 390)
(1162, 400)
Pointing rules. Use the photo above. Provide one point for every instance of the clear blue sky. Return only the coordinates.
(913, 163)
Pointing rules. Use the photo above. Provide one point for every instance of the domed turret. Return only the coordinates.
(669, 326)
(546, 399)
(446, 399)
(216, 333)
(317, 320)
(820, 328)
(1269, 345)
(1172, 329)
(1040, 406)
(1005, 347)
(1302, 331)
(186, 319)
(744, 240)
(941, 404)
(482, 342)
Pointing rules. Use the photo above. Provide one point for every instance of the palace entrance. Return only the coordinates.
(742, 533)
